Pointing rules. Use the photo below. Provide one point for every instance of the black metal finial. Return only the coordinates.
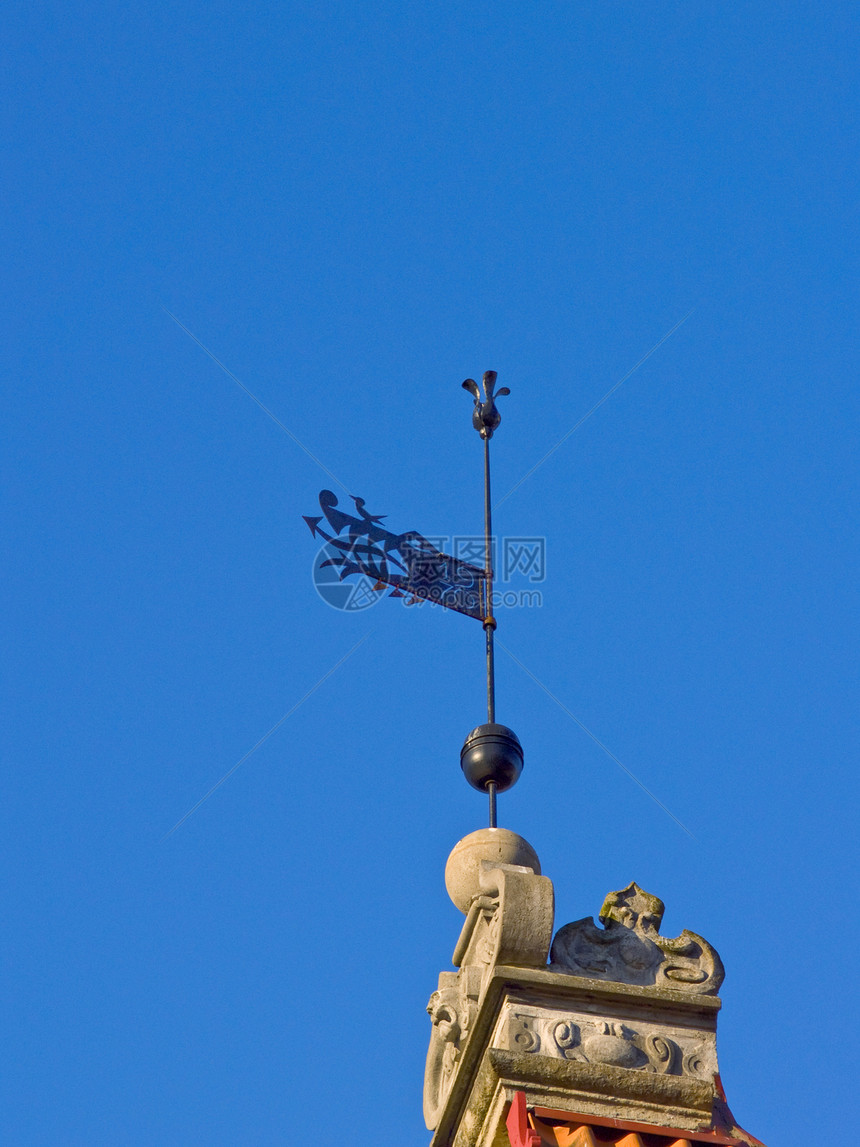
(492, 757)
(485, 417)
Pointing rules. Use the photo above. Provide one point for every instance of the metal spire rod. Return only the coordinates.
(489, 620)
(485, 419)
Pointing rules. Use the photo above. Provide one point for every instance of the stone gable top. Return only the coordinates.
(607, 1023)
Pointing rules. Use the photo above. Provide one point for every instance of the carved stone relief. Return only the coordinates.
(591, 1039)
(629, 948)
(444, 1009)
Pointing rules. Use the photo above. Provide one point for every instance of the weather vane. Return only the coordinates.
(411, 566)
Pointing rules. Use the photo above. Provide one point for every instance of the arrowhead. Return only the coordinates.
(312, 523)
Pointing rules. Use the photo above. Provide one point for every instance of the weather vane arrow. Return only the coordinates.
(411, 566)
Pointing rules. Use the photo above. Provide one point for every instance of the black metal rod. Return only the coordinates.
(491, 677)
(491, 790)
(489, 620)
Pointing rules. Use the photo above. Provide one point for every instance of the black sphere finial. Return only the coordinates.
(492, 756)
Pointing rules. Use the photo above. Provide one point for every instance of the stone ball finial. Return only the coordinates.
(496, 845)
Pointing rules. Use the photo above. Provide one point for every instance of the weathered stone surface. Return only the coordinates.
(630, 949)
(602, 1089)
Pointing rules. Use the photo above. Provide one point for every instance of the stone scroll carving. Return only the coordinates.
(629, 948)
(509, 920)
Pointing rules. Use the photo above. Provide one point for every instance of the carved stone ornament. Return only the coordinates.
(630, 950)
(445, 1010)
(613, 1042)
(509, 921)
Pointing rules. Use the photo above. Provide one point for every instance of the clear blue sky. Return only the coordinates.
(353, 207)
